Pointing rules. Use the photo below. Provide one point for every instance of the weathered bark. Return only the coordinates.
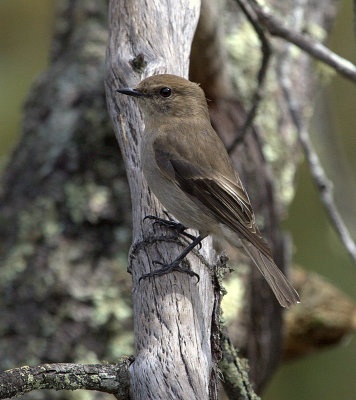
(108, 378)
(172, 314)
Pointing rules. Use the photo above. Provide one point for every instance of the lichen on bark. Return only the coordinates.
(65, 211)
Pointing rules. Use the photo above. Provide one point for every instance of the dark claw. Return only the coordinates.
(167, 215)
(149, 217)
(167, 268)
(169, 223)
(174, 265)
(193, 237)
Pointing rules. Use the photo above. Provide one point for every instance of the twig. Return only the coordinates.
(236, 382)
(276, 28)
(109, 378)
(325, 188)
(266, 53)
(322, 182)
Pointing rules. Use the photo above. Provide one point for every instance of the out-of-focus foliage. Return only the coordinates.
(25, 35)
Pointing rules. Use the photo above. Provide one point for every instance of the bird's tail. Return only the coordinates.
(283, 290)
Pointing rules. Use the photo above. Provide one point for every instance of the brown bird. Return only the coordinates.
(188, 169)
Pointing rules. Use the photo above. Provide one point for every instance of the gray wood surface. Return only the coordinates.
(172, 313)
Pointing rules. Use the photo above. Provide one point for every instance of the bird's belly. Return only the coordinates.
(176, 202)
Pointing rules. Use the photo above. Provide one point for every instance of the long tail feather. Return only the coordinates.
(283, 290)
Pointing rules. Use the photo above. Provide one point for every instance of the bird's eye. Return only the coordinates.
(165, 92)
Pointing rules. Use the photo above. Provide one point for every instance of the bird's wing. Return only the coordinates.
(226, 200)
(283, 290)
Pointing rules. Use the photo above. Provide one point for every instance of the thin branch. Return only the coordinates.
(324, 185)
(108, 378)
(236, 381)
(266, 53)
(276, 28)
(325, 188)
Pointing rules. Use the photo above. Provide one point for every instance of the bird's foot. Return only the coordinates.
(168, 223)
(167, 268)
(177, 226)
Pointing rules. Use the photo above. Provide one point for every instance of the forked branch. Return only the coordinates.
(314, 48)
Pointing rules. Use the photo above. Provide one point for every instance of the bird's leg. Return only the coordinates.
(168, 223)
(174, 265)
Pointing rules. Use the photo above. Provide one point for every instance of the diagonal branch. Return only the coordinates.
(108, 378)
(261, 75)
(321, 180)
(314, 48)
(325, 188)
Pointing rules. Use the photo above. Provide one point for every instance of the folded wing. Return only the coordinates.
(228, 202)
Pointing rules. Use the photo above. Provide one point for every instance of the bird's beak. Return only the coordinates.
(130, 92)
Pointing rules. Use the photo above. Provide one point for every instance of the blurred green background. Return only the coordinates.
(25, 35)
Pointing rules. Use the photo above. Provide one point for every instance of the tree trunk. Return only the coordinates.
(172, 314)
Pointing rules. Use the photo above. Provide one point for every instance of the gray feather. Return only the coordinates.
(283, 290)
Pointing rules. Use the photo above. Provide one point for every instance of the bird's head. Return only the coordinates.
(169, 96)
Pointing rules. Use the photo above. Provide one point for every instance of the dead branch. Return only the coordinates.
(261, 75)
(314, 48)
(323, 184)
(109, 378)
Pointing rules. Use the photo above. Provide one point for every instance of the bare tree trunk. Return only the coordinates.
(172, 314)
